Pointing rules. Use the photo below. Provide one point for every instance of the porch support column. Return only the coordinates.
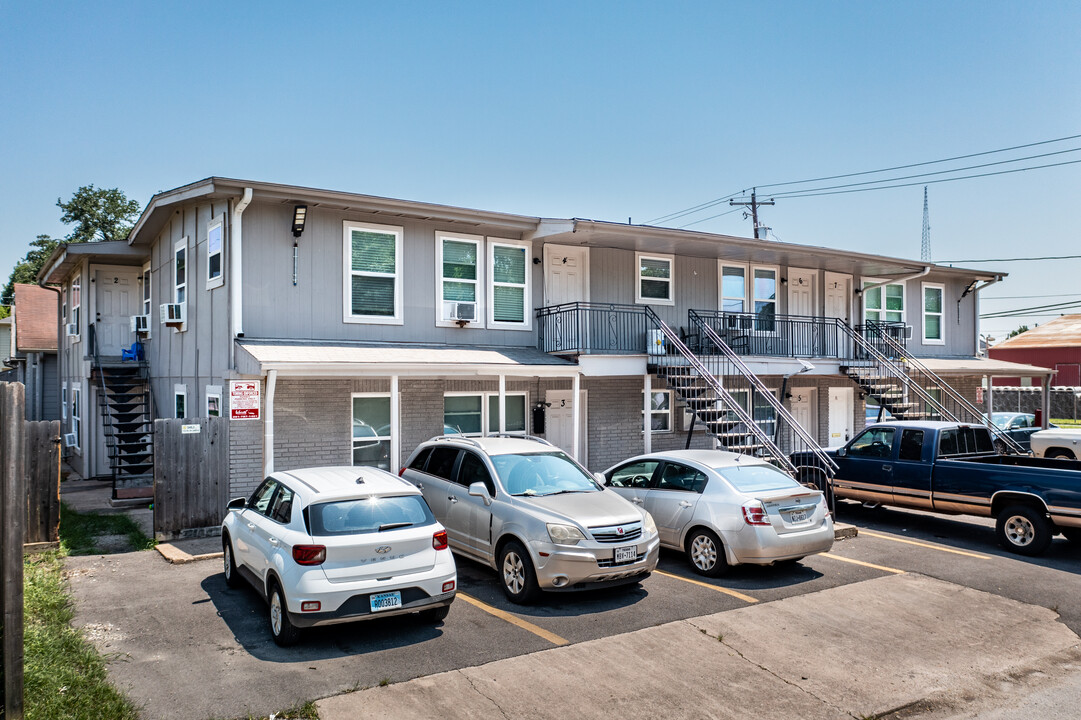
(268, 423)
(502, 405)
(1046, 402)
(395, 425)
(576, 427)
(647, 421)
(990, 396)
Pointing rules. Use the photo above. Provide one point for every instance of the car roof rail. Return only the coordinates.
(461, 438)
(519, 436)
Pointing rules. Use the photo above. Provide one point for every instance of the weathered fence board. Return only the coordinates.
(43, 481)
(12, 532)
(191, 477)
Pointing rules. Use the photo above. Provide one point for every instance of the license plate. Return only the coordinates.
(626, 554)
(798, 516)
(386, 601)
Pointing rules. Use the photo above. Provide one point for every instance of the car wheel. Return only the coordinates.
(1061, 454)
(1072, 534)
(516, 574)
(232, 575)
(706, 553)
(281, 628)
(1023, 529)
(436, 615)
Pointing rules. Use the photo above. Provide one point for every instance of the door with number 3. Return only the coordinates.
(559, 422)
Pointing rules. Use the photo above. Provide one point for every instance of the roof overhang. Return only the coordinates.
(987, 367)
(159, 209)
(645, 238)
(331, 359)
(67, 256)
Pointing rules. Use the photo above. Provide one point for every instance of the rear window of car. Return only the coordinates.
(369, 514)
(757, 478)
(964, 441)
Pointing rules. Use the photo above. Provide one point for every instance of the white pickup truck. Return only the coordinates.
(1057, 443)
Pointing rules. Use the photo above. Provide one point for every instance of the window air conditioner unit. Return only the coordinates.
(908, 332)
(71, 329)
(173, 314)
(463, 311)
(140, 323)
(70, 440)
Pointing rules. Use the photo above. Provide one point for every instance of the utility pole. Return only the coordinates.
(925, 248)
(754, 203)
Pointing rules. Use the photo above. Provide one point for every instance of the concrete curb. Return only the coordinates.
(843, 532)
(176, 556)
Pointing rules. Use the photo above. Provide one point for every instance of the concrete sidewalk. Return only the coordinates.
(900, 642)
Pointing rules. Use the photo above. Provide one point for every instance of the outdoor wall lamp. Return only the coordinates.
(300, 215)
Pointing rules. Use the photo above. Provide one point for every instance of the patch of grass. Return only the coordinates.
(79, 531)
(306, 711)
(65, 677)
(384, 682)
(1066, 422)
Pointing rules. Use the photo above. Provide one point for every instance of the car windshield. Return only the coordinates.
(1001, 420)
(368, 514)
(537, 474)
(757, 478)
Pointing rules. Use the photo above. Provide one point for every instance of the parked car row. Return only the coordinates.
(342, 544)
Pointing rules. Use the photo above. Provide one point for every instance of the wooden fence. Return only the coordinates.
(43, 481)
(191, 476)
(12, 534)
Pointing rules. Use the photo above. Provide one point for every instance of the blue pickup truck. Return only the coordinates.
(953, 468)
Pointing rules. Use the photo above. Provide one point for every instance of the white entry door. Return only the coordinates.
(838, 302)
(116, 297)
(802, 300)
(841, 412)
(559, 422)
(566, 274)
(805, 409)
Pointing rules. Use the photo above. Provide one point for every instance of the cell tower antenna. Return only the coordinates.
(925, 248)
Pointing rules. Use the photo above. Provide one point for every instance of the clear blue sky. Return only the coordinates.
(606, 110)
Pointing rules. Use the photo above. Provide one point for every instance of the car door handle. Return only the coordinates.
(452, 498)
(685, 504)
(887, 468)
(420, 486)
(274, 541)
(636, 501)
(251, 526)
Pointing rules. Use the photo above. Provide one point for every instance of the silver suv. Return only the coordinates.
(523, 507)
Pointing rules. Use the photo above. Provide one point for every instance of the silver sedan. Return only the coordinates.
(723, 508)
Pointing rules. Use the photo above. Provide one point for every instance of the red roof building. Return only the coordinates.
(1055, 345)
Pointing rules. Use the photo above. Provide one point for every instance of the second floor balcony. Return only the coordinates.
(583, 328)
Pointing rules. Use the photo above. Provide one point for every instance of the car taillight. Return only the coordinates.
(439, 540)
(755, 514)
(309, 554)
(448, 586)
(310, 606)
(402, 471)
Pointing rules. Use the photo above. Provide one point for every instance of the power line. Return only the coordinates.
(1020, 259)
(711, 217)
(1025, 297)
(688, 211)
(1021, 312)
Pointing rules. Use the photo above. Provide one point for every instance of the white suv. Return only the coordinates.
(338, 544)
(523, 507)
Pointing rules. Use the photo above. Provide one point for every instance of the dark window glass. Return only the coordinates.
(472, 470)
(979, 440)
(281, 510)
(911, 445)
(947, 443)
(874, 443)
(370, 514)
(681, 477)
(441, 463)
(260, 499)
(635, 475)
(420, 459)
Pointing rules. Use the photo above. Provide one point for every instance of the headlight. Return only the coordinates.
(648, 524)
(565, 534)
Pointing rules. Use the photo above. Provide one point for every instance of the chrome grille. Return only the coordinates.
(612, 534)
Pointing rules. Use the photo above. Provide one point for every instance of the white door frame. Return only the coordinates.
(551, 251)
(810, 395)
(582, 410)
(846, 289)
(814, 287)
(836, 436)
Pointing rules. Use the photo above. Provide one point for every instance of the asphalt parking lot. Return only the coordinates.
(189, 647)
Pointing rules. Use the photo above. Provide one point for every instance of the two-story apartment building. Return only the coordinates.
(366, 325)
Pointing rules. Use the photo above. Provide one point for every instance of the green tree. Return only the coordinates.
(1018, 331)
(26, 270)
(98, 214)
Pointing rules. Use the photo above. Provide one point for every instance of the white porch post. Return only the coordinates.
(990, 396)
(647, 421)
(502, 405)
(577, 409)
(268, 423)
(1046, 402)
(395, 426)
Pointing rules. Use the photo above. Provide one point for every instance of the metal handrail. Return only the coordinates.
(826, 462)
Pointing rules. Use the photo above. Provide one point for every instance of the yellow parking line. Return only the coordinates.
(514, 620)
(923, 544)
(865, 564)
(726, 591)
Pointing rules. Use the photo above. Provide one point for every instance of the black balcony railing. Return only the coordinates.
(592, 328)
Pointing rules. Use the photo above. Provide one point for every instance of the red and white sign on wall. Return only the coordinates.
(243, 399)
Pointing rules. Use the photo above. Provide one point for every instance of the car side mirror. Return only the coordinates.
(599, 477)
(841, 452)
(237, 504)
(479, 489)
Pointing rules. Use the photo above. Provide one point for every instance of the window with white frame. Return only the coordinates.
(64, 400)
(213, 400)
(764, 289)
(762, 412)
(660, 411)
(471, 413)
(77, 413)
(373, 273)
(144, 279)
(76, 302)
(884, 304)
(180, 271)
(733, 288)
(460, 277)
(215, 276)
(180, 401)
(64, 305)
(509, 285)
(371, 430)
(934, 332)
(655, 274)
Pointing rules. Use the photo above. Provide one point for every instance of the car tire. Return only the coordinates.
(705, 553)
(435, 615)
(1023, 529)
(1072, 534)
(516, 574)
(1060, 454)
(281, 627)
(232, 575)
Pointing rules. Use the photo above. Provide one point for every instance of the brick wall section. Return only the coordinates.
(245, 456)
(312, 423)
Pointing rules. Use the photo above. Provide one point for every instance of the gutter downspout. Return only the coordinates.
(268, 423)
(59, 336)
(236, 274)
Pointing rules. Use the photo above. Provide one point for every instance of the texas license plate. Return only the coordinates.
(386, 601)
(798, 516)
(626, 554)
